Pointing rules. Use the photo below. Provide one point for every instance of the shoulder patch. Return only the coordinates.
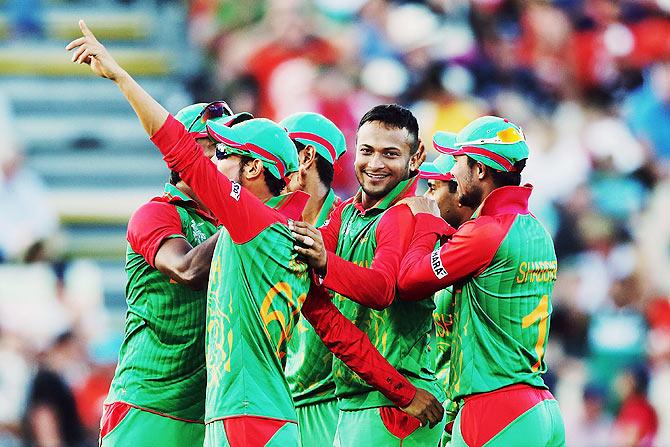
(436, 264)
(235, 190)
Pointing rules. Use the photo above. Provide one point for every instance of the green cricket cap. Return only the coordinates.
(314, 129)
(491, 140)
(195, 116)
(438, 169)
(259, 138)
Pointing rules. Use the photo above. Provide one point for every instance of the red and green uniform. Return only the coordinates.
(161, 367)
(503, 268)
(309, 372)
(256, 289)
(365, 249)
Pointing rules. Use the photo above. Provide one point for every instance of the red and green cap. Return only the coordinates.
(438, 169)
(258, 138)
(314, 129)
(493, 141)
(195, 117)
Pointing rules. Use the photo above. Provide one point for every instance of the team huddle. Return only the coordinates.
(265, 311)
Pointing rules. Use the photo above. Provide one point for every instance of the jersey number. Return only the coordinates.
(541, 314)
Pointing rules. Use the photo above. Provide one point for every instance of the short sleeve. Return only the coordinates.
(150, 225)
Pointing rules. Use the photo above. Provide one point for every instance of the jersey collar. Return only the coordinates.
(506, 200)
(290, 205)
(172, 194)
(331, 202)
(406, 188)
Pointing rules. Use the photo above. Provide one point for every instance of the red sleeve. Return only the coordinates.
(150, 225)
(242, 213)
(426, 270)
(374, 287)
(353, 347)
(330, 230)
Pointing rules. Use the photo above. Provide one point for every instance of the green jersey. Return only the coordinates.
(503, 267)
(443, 317)
(162, 362)
(256, 289)
(309, 367)
(374, 240)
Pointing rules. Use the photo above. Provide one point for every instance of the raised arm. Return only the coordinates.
(353, 347)
(240, 212)
(88, 50)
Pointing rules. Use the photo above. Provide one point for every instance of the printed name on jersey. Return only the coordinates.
(436, 264)
(235, 190)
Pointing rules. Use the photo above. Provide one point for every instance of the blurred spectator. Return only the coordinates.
(648, 106)
(51, 418)
(653, 236)
(594, 427)
(27, 222)
(285, 67)
(636, 423)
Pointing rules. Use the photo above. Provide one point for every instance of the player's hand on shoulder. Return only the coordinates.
(426, 408)
(309, 245)
(421, 205)
(88, 50)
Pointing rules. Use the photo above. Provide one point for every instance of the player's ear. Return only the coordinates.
(307, 156)
(482, 170)
(253, 169)
(418, 158)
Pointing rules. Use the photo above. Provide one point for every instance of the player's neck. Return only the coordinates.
(317, 196)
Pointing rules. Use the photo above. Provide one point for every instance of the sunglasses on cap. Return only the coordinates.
(507, 136)
(215, 109)
(223, 151)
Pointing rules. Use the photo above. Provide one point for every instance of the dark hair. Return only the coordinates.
(274, 184)
(502, 178)
(396, 116)
(174, 178)
(324, 168)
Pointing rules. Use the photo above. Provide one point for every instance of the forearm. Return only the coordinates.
(194, 270)
(150, 113)
(353, 347)
(365, 286)
(418, 269)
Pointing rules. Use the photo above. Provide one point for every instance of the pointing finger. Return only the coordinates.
(85, 31)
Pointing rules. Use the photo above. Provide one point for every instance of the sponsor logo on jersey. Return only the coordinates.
(436, 264)
(198, 235)
(235, 190)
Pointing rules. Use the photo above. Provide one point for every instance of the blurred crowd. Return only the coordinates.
(589, 82)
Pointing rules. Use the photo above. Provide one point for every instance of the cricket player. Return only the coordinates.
(502, 266)
(158, 391)
(257, 285)
(309, 365)
(358, 256)
(442, 188)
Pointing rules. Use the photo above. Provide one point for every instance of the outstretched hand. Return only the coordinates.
(88, 50)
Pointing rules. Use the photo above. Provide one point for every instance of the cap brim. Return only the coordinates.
(429, 171)
(444, 142)
(221, 133)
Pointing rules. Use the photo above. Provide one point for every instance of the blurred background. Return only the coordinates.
(589, 81)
